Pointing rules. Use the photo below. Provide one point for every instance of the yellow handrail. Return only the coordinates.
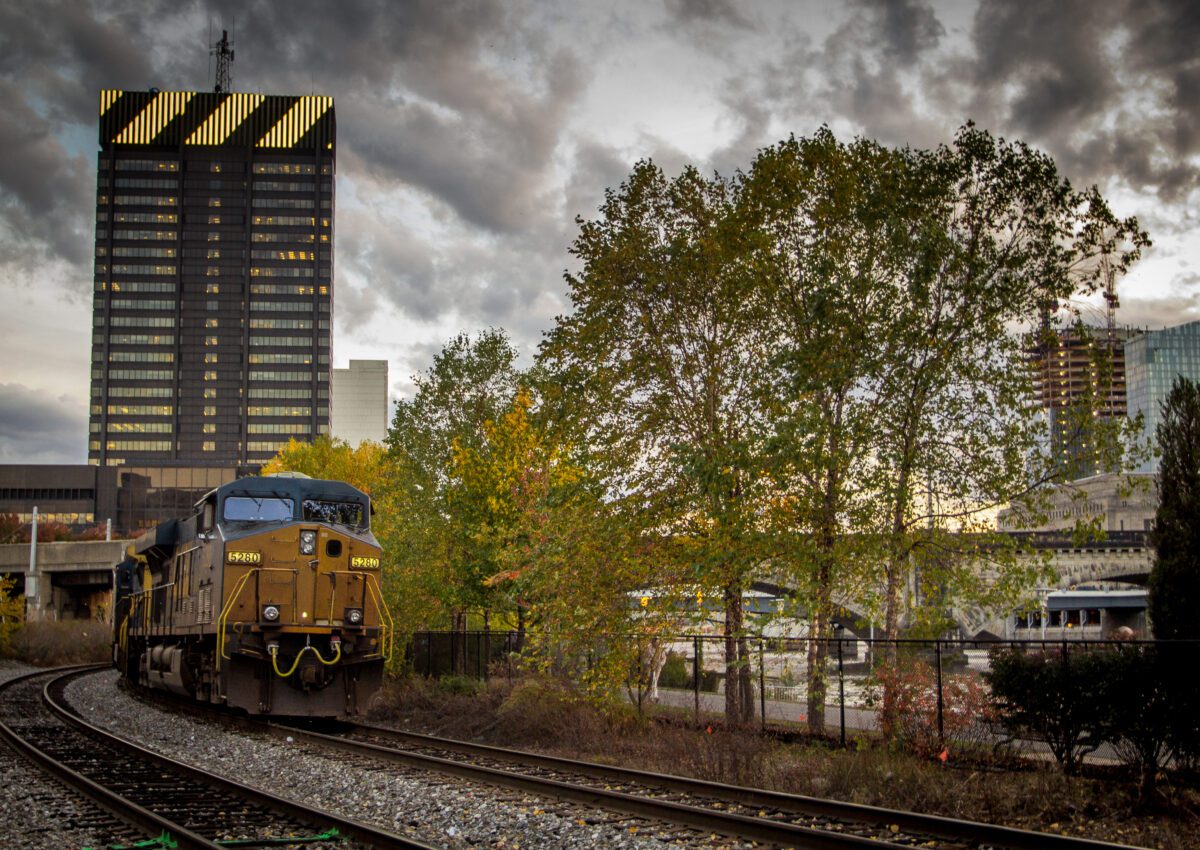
(237, 592)
(388, 628)
(225, 615)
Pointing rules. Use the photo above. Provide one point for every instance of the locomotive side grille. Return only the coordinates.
(205, 612)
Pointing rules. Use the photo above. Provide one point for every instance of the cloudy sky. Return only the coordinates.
(470, 135)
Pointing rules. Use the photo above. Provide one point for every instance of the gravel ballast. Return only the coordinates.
(36, 811)
(438, 810)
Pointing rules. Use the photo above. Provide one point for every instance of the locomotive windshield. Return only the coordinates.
(257, 509)
(343, 513)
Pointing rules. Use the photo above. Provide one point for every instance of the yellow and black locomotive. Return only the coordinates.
(266, 598)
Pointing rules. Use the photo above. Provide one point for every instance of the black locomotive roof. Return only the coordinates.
(294, 488)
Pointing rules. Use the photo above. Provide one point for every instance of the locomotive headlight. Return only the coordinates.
(270, 613)
(354, 616)
(308, 542)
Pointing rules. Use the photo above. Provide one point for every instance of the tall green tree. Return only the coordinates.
(660, 353)
(992, 235)
(471, 382)
(1175, 577)
(897, 389)
(821, 216)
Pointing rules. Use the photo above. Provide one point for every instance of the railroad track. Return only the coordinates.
(160, 798)
(745, 813)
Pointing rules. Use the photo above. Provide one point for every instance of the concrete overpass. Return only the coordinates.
(73, 580)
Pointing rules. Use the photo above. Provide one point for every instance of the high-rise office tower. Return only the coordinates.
(1154, 360)
(213, 276)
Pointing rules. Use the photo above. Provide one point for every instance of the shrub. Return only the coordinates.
(1139, 712)
(675, 672)
(12, 615)
(967, 713)
(1055, 697)
(460, 684)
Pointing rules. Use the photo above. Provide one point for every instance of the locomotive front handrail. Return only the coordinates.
(237, 592)
(225, 612)
(387, 628)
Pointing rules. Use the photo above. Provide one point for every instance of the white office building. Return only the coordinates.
(360, 402)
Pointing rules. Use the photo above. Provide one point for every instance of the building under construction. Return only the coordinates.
(1079, 380)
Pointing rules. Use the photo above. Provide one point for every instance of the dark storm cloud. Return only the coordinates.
(752, 118)
(43, 191)
(428, 94)
(1052, 54)
(394, 263)
(722, 12)
(53, 59)
(1110, 89)
(596, 167)
(36, 427)
(866, 73)
(901, 29)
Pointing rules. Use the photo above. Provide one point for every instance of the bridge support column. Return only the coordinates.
(39, 598)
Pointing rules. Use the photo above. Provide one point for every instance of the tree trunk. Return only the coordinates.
(458, 662)
(817, 684)
(734, 619)
(745, 680)
(896, 572)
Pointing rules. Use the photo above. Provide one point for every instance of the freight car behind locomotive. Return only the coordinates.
(265, 598)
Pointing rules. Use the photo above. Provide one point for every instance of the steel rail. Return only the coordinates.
(972, 833)
(190, 776)
(125, 810)
(708, 820)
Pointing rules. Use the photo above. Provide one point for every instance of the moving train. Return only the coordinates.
(266, 598)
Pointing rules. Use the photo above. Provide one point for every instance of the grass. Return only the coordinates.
(545, 715)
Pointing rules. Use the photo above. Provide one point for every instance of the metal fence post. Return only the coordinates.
(937, 650)
(762, 683)
(842, 689)
(696, 675)
(639, 676)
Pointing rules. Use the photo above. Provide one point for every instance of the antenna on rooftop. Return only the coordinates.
(223, 50)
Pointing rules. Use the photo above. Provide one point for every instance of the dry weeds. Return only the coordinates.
(539, 714)
(68, 642)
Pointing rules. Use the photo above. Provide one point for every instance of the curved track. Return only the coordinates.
(747, 813)
(160, 796)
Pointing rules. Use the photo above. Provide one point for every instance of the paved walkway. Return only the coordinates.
(777, 711)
